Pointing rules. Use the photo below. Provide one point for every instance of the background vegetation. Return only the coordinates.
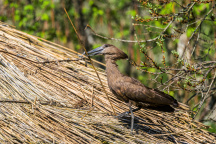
(171, 44)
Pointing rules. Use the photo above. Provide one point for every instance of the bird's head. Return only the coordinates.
(110, 52)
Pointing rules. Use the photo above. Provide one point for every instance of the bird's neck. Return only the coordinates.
(112, 70)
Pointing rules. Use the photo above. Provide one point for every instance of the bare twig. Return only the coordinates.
(204, 98)
(129, 41)
(90, 61)
(195, 29)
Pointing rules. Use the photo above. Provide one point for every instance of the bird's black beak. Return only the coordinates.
(96, 51)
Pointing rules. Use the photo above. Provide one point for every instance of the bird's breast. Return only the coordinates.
(116, 90)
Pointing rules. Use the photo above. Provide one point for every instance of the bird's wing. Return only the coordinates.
(135, 90)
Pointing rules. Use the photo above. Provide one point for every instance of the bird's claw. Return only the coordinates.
(124, 114)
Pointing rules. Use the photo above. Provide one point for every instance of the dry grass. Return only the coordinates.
(45, 102)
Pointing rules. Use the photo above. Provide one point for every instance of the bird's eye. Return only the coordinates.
(106, 45)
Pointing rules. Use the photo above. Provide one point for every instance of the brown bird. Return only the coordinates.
(127, 88)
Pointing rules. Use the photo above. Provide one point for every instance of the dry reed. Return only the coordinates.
(44, 102)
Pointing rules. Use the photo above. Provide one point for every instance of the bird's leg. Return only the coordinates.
(134, 110)
(127, 113)
(132, 116)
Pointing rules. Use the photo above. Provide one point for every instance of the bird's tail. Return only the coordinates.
(180, 105)
(175, 103)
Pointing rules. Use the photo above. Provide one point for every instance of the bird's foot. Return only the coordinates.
(124, 114)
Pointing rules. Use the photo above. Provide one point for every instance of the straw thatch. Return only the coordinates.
(43, 100)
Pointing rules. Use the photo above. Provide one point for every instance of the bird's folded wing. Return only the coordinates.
(135, 90)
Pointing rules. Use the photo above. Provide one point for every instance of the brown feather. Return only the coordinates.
(127, 88)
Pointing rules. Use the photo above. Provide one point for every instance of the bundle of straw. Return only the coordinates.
(49, 95)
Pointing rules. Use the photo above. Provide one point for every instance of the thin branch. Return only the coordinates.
(135, 24)
(129, 41)
(204, 98)
(90, 61)
(196, 30)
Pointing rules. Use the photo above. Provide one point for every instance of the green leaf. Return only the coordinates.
(190, 31)
(151, 69)
(131, 13)
(17, 17)
(45, 4)
(28, 7)
(91, 2)
(100, 12)
(170, 92)
(13, 5)
(45, 16)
